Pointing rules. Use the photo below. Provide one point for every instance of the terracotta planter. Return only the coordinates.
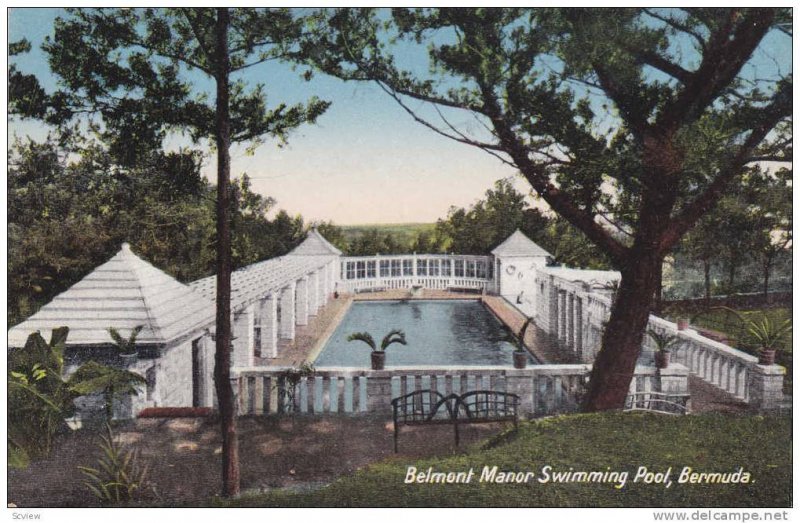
(520, 359)
(766, 357)
(683, 324)
(662, 359)
(378, 360)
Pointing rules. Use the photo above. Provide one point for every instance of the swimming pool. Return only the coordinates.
(443, 332)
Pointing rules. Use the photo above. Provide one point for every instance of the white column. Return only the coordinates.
(287, 315)
(579, 326)
(562, 315)
(313, 293)
(243, 352)
(301, 303)
(571, 321)
(209, 348)
(269, 327)
(324, 285)
(553, 310)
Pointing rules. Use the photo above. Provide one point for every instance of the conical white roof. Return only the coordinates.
(315, 245)
(123, 293)
(519, 245)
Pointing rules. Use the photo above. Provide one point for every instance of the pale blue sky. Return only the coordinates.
(366, 161)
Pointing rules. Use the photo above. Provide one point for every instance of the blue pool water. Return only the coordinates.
(458, 332)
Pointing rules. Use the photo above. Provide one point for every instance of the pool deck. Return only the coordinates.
(310, 339)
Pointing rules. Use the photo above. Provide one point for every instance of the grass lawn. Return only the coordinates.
(615, 442)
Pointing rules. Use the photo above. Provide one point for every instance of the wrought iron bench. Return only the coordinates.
(430, 407)
(660, 402)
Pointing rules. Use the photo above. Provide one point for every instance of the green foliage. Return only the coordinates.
(664, 341)
(765, 332)
(365, 337)
(403, 238)
(394, 336)
(66, 218)
(38, 397)
(118, 478)
(286, 384)
(125, 346)
(489, 221)
(113, 383)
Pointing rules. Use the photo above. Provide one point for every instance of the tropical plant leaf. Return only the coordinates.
(394, 336)
(363, 336)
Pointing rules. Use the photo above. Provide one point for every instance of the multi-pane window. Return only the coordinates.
(447, 267)
(408, 267)
(422, 267)
(433, 267)
(459, 268)
(470, 268)
(360, 270)
(351, 270)
(371, 269)
(481, 269)
(384, 268)
(396, 268)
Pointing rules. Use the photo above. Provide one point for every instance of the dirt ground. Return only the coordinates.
(183, 456)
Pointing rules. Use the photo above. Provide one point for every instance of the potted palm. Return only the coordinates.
(664, 343)
(126, 348)
(379, 353)
(520, 355)
(765, 334)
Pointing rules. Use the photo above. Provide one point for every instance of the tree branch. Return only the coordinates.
(728, 51)
(539, 179)
(771, 116)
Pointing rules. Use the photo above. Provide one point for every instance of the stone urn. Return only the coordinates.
(520, 359)
(662, 359)
(683, 324)
(378, 359)
(766, 356)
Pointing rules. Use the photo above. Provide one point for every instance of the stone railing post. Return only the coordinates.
(766, 386)
(520, 382)
(379, 392)
(673, 380)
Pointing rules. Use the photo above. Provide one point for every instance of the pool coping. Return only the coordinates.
(322, 340)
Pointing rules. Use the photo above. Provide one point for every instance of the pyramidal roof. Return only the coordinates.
(315, 245)
(123, 293)
(519, 245)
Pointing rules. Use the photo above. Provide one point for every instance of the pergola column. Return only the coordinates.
(571, 320)
(287, 313)
(553, 310)
(243, 330)
(313, 293)
(301, 303)
(269, 327)
(562, 315)
(579, 325)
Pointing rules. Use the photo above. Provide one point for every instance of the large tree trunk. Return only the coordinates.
(707, 281)
(222, 367)
(615, 364)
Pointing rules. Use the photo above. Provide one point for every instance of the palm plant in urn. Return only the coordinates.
(379, 353)
(664, 344)
(766, 335)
